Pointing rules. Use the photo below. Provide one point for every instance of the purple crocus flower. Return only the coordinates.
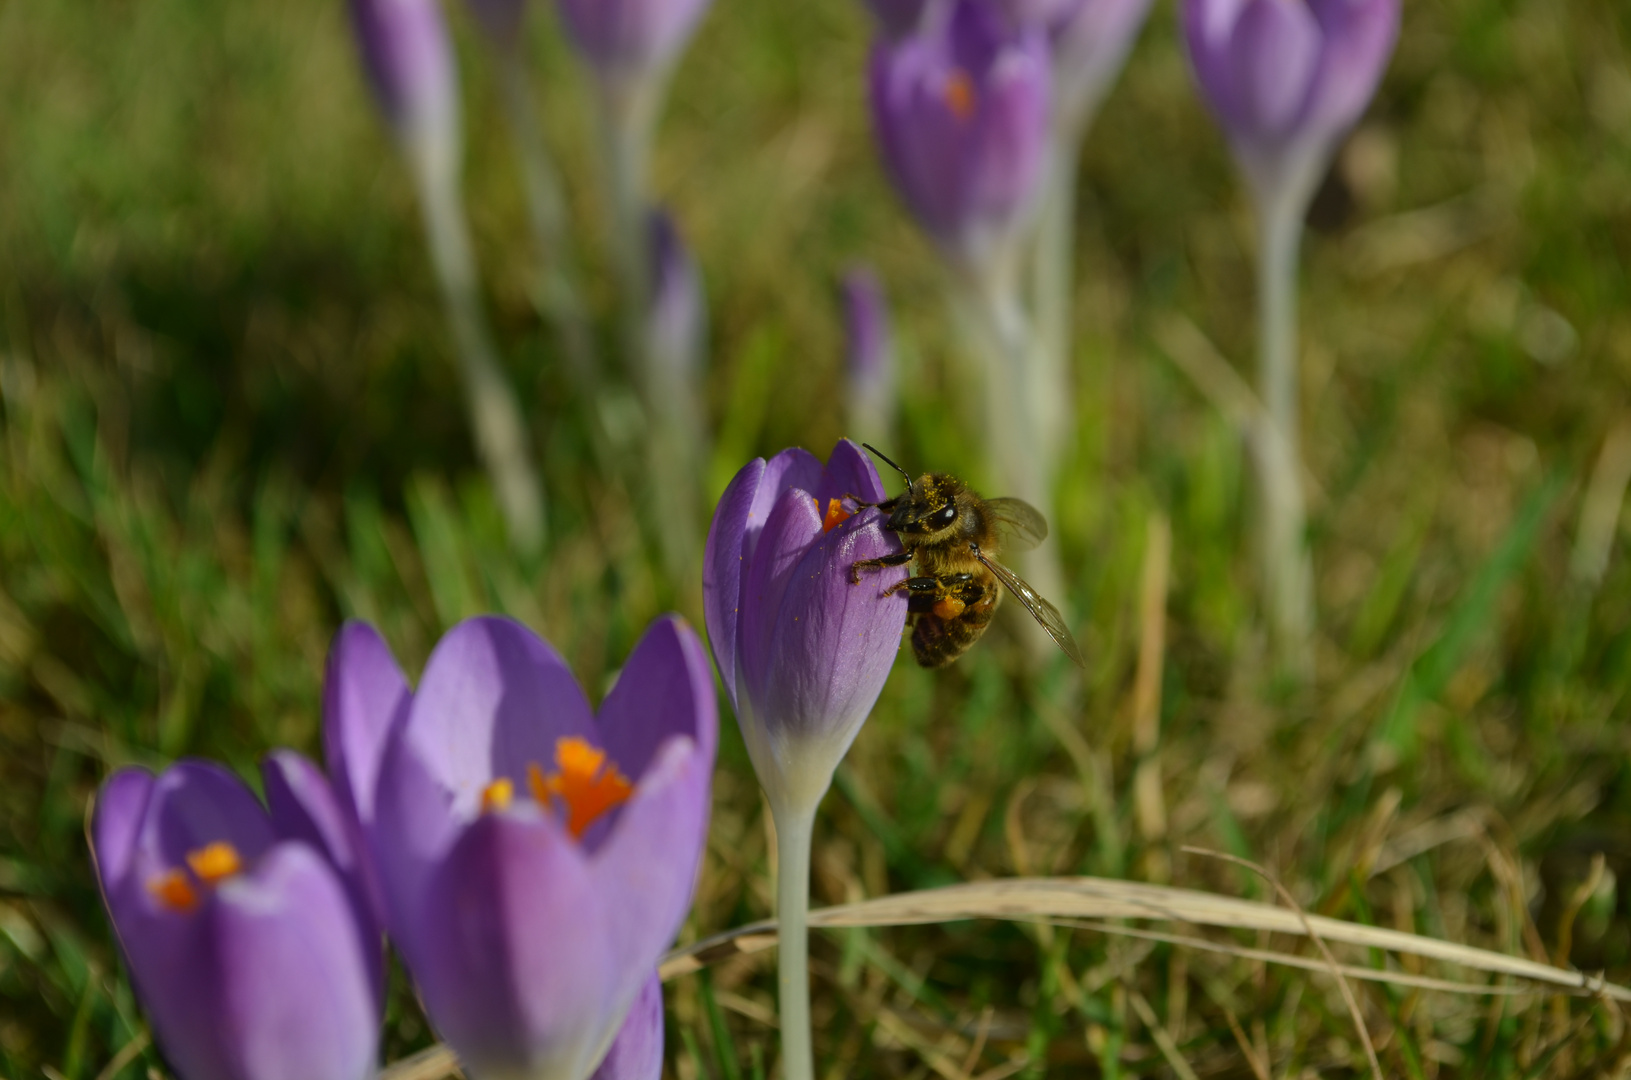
(243, 932)
(1091, 40)
(961, 113)
(802, 650)
(679, 312)
(898, 18)
(1287, 78)
(533, 859)
(410, 65)
(630, 39)
(637, 1052)
(869, 352)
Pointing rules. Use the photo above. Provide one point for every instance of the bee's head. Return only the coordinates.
(929, 509)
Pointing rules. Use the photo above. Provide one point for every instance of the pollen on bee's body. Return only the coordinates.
(214, 863)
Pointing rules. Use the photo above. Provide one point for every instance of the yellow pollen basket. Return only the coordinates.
(173, 890)
(959, 94)
(836, 514)
(215, 862)
(584, 781)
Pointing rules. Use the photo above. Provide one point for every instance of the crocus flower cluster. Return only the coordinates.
(529, 858)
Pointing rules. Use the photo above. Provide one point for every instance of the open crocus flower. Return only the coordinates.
(1286, 78)
(243, 933)
(961, 110)
(803, 652)
(533, 859)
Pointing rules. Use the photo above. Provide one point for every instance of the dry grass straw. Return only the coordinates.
(1089, 903)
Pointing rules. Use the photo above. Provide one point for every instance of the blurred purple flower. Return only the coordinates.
(1091, 40)
(243, 934)
(637, 1052)
(534, 860)
(803, 652)
(961, 113)
(870, 354)
(1287, 79)
(630, 39)
(409, 60)
(679, 313)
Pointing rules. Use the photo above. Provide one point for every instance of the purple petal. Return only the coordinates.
(294, 997)
(495, 698)
(1208, 26)
(646, 871)
(1090, 47)
(849, 471)
(1359, 39)
(1274, 54)
(364, 695)
(834, 642)
(793, 526)
(637, 1052)
(868, 348)
(195, 804)
(664, 691)
(517, 971)
(117, 822)
(733, 536)
(630, 37)
(304, 808)
(416, 826)
(409, 59)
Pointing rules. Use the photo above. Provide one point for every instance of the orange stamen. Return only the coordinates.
(216, 862)
(587, 783)
(959, 94)
(836, 515)
(173, 890)
(498, 795)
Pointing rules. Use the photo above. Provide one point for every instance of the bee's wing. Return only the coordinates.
(1042, 611)
(1022, 525)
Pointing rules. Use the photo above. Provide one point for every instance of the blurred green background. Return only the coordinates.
(228, 420)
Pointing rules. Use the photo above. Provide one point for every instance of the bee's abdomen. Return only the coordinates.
(936, 642)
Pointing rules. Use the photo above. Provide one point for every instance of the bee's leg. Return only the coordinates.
(922, 593)
(861, 504)
(899, 558)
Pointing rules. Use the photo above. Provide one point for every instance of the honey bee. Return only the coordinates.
(952, 536)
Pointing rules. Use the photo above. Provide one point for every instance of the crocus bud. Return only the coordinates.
(410, 65)
(243, 937)
(630, 39)
(803, 650)
(535, 859)
(1287, 78)
(679, 315)
(869, 352)
(1091, 40)
(961, 113)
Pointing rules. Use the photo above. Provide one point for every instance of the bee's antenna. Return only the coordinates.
(879, 454)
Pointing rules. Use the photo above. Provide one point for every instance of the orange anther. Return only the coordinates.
(214, 863)
(173, 890)
(836, 515)
(498, 795)
(586, 782)
(959, 94)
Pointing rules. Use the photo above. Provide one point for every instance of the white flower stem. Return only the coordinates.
(557, 293)
(673, 457)
(1286, 569)
(1015, 396)
(495, 418)
(1053, 282)
(794, 831)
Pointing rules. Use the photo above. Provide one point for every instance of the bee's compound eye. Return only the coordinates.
(943, 517)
